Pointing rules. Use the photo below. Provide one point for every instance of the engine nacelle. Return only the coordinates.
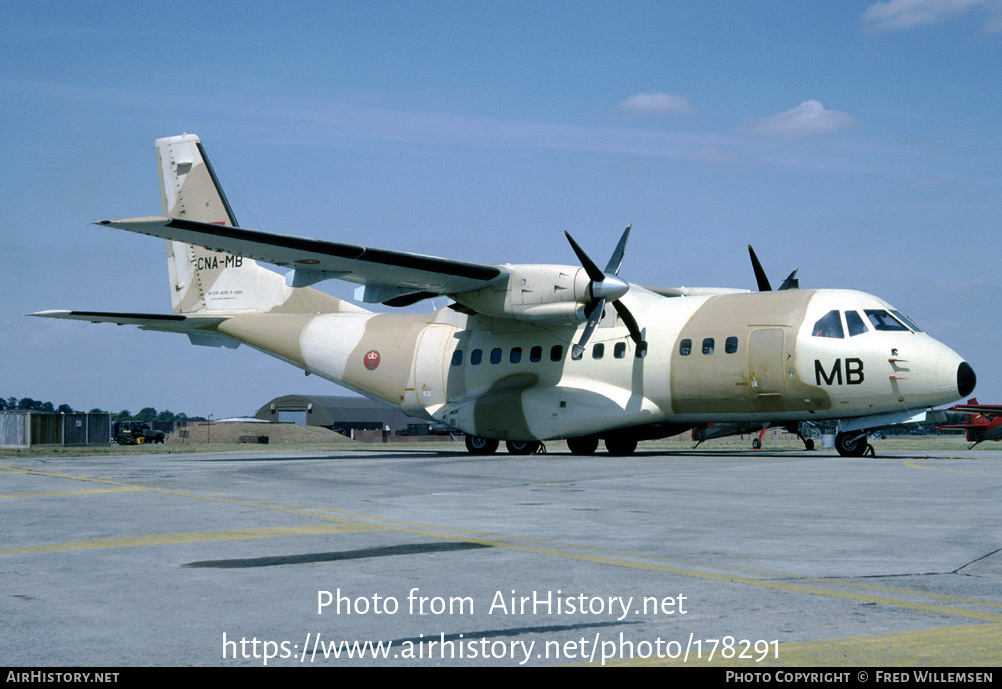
(534, 293)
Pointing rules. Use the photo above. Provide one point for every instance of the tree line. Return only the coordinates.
(146, 414)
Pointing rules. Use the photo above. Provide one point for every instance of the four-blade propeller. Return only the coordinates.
(605, 286)
(791, 281)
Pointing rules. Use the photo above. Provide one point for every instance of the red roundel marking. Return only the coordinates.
(371, 360)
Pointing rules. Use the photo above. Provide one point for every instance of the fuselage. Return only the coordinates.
(772, 356)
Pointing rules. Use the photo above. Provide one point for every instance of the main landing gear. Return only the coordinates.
(618, 446)
(852, 444)
(585, 445)
(523, 447)
(477, 445)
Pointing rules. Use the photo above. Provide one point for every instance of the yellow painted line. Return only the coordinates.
(394, 523)
(961, 600)
(72, 492)
(501, 541)
(194, 496)
(195, 537)
(974, 645)
(914, 464)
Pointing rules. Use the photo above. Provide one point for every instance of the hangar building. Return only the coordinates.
(342, 414)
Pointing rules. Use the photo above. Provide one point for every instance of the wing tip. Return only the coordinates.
(49, 313)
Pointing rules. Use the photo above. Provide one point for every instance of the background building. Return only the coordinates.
(29, 428)
(341, 414)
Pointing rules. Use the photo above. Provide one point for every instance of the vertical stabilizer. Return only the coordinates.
(216, 282)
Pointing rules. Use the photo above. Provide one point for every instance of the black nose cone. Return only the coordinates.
(966, 380)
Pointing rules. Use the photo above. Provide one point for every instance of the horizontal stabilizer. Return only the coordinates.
(169, 323)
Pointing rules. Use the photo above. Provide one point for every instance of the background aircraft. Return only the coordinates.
(533, 352)
(984, 421)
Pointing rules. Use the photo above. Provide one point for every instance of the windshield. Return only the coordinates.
(882, 320)
(907, 321)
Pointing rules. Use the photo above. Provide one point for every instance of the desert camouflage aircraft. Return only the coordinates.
(528, 353)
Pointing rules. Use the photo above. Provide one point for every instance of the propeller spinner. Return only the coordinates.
(605, 286)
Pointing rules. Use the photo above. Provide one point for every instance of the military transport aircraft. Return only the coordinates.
(528, 353)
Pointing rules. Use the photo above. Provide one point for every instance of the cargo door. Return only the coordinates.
(766, 356)
(430, 364)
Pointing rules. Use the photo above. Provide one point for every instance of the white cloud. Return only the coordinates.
(807, 119)
(895, 15)
(655, 103)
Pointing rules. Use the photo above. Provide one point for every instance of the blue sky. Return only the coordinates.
(858, 141)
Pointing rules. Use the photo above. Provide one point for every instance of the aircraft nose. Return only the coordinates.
(966, 380)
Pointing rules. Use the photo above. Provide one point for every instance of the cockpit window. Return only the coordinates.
(907, 321)
(881, 320)
(829, 325)
(855, 323)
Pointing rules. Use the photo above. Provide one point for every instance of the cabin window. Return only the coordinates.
(476, 356)
(516, 355)
(619, 351)
(708, 345)
(829, 325)
(556, 352)
(457, 357)
(685, 347)
(881, 320)
(536, 354)
(855, 323)
(731, 345)
(496, 355)
(598, 351)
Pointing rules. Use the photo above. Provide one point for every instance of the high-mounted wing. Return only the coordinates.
(392, 277)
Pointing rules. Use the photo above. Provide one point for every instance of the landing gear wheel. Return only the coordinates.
(522, 447)
(756, 444)
(809, 444)
(851, 444)
(621, 447)
(583, 446)
(477, 445)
